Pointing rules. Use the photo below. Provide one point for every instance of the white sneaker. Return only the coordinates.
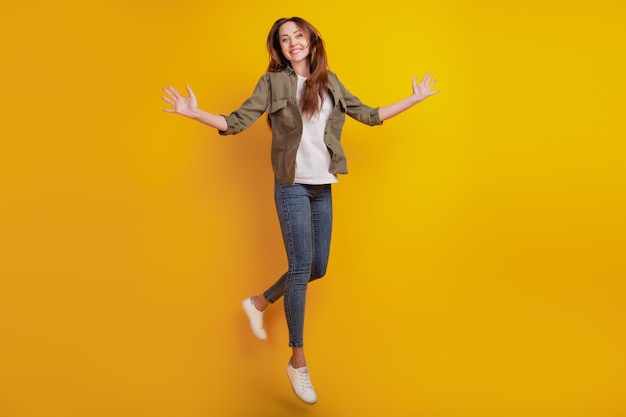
(301, 383)
(256, 318)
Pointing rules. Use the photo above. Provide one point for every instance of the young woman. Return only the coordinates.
(306, 106)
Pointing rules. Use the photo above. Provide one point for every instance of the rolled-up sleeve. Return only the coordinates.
(250, 110)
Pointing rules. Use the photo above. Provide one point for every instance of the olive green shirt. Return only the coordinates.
(275, 93)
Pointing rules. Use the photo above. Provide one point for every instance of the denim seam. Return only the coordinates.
(290, 266)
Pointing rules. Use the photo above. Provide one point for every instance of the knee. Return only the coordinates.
(317, 274)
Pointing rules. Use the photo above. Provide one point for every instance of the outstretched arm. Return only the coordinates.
(188, 106)
(421, 91)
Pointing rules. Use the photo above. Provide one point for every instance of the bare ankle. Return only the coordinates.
(259, 302)
(297, 359)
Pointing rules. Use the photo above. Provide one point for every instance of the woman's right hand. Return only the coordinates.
(186, 106)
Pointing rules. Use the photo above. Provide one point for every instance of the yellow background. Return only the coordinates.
(477, 266)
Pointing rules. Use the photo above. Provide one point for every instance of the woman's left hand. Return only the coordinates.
(424, 89)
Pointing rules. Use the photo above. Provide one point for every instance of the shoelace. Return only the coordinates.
(305, 381)
(260, 323)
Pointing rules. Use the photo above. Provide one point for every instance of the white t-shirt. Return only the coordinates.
(313, 157)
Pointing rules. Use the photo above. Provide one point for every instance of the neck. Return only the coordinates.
(301, 68)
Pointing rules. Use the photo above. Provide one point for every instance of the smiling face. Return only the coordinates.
(294, 43)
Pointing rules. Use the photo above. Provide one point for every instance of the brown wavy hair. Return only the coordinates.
(315, 89)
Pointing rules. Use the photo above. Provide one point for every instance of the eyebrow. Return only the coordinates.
(294, 32)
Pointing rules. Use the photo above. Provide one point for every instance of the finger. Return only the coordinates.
(167, 100)
(169, 93)
(175, 92)
(426, 78)
(190, 92)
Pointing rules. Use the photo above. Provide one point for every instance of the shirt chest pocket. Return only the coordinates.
(283, 116)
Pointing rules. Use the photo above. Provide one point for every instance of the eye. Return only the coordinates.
(299, 35)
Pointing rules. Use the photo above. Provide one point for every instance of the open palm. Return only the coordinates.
(425, 87)
(181, 104)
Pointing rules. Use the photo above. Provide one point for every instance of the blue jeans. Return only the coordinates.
(305, 215)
